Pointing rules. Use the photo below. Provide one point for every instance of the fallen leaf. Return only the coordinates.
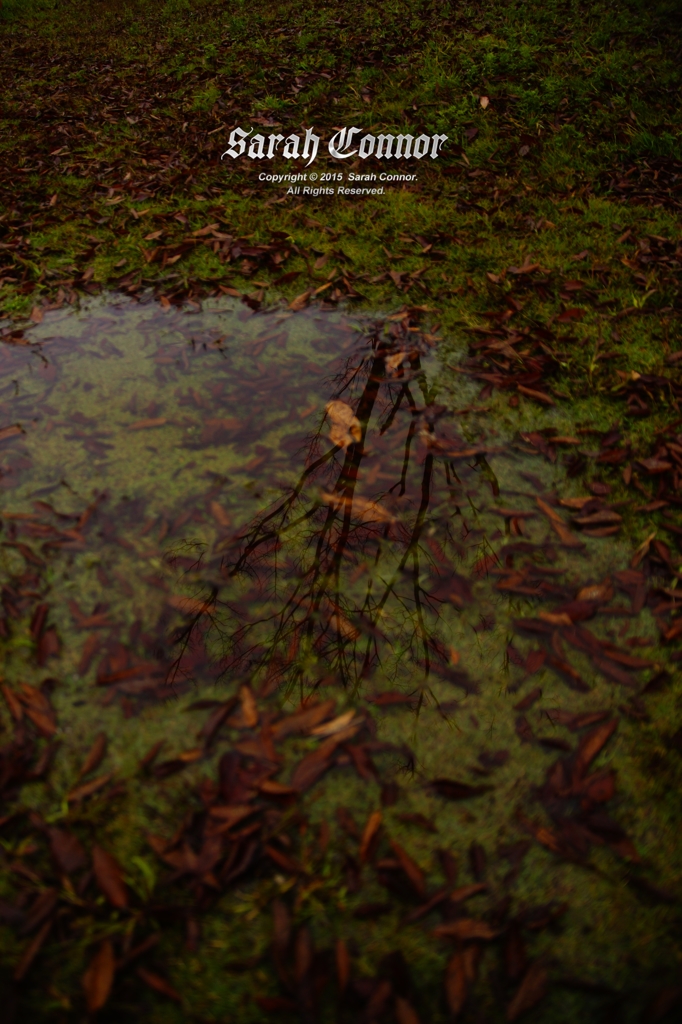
(371, 828)
(539, 396)
(147, 424)
(99, 977)
(411, 869)
(13, 703)
(530, 991)
(248, 706)
(11, 431)
(88, 788)
(452, 790)
(456, 985)
(597, 592)
(31, 951)
(466, 928)
(346, 427)
(302, 721)
(67, 850)
(220, 515)
(95, 754)
(342, 965)
(109, 877)
(336, 725)
(405, 1013)
(591, 744)
(159, 984)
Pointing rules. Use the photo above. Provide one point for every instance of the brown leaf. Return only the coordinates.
(88, 788)
(281, 925)
(13, 703)
(220, 515)
(66, 850)
(411, 869)
(43, 723)
(592, 743)
(597, 592)
(31, 951)
(346, 427)
(654, 466)
(300, 301)
(109, 877)
(456, 983)
(405, 1012)
(539, 396)
(249, 707)
(466, 928)
(335, 725)
(534, 661)
(452, 790)
(12, 431)
(342, 964)
(158, 983)
(151, 754)
(284, 861)
(530, 991)
(38, 708)
(302, 721)
(95, 754)
(147, 424)
(371, 828)
(99, 977)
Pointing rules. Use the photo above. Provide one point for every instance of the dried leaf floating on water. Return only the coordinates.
(345, 426)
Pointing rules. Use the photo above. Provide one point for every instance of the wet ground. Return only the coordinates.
(278, 568)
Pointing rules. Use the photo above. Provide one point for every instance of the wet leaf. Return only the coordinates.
(248, 707)
(13, 703)
(452, 790)
(592, 743)
(336, 725)
(99, 977)
(411, 869)
(342, 965)
(158, 983)
(95, 754)
(405, 1012)
(302, 721)
(345, 426)
(159, 421)
(369, 833)
(456, 986)
(531, 990)
(67, 850)
(31, 952)
(466, 928)
(109, 877)
(88, 788)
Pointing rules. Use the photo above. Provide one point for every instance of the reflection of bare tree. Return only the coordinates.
(336, 575)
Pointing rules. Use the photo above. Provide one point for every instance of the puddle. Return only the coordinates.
(179, 522)
(185, 462)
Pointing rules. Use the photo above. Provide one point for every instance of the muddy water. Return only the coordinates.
(171, 493)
